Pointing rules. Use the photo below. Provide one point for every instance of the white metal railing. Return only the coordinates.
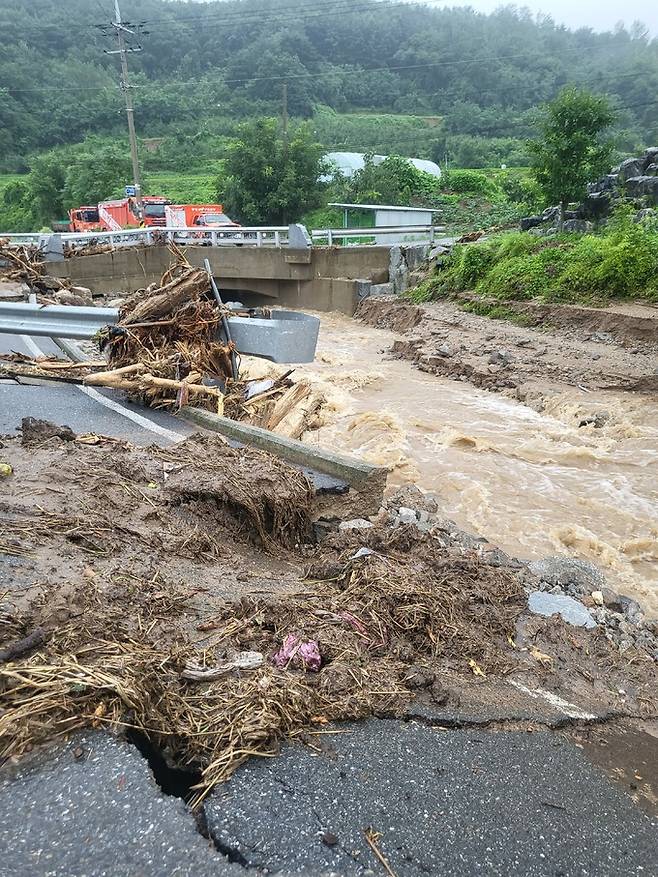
(256, 236)
(383, 234)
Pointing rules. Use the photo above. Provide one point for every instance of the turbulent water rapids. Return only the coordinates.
(532, 483)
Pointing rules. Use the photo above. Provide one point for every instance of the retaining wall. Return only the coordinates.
(322, 278)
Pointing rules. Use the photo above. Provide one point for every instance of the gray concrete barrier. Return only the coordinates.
(288, 336)
(369, 481)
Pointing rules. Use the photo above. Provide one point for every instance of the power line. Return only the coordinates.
(294, 11)
(341, 71)
(284, 14)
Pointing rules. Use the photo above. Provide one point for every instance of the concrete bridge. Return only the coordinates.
(318, 278)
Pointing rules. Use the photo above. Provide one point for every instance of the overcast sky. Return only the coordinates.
(597, 14)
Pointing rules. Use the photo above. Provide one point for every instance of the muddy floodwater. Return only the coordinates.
(533, 483)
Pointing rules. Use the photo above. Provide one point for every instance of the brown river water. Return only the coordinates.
(532, 483)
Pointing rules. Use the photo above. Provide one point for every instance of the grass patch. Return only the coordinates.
(621, 262)
(184, 188)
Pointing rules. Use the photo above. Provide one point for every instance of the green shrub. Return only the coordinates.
(468, 182)
(620, 262)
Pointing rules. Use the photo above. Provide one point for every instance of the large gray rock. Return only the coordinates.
(576, 576)
(381, 290)
(529, 222)
(415, 255)
(443, 802)
(639, 187)
(580, 226)
(650, 156)
(91, 808)
(570, 610)
(632, 167)
(398, 270)
(595, 206)
(550, 214)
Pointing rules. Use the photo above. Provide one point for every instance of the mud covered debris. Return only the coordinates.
(115, 500)
(127, 554)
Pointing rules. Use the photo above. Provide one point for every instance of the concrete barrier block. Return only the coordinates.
(369, 481)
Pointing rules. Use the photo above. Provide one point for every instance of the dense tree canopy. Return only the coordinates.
(269, 179)
(571, 150)
(203, 64)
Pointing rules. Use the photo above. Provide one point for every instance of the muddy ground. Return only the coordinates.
(560, 345)
(131, 568)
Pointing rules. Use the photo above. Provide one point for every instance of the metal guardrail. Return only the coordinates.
(390, 234)
(256, 236)
(58, 321)
(288, 336)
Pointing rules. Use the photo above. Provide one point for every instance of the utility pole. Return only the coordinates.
(285, 119)
(123, 51)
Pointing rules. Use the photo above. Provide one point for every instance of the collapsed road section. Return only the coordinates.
(187, 595)
(274, 636)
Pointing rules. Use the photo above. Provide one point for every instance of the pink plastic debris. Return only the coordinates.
(304, 654)
(309, 652)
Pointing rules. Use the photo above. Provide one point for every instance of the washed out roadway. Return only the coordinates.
(443, 801)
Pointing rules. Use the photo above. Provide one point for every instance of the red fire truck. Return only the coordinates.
(124, 213)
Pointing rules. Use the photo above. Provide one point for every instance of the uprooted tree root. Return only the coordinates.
(376, 620)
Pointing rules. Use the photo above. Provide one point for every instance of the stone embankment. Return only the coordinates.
(633, 182)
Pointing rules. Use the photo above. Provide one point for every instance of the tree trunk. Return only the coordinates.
(563, 210)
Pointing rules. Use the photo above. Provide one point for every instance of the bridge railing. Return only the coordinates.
(254, 236)
(381, 235)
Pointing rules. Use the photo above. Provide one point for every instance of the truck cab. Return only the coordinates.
(85, 219)
(154, 211)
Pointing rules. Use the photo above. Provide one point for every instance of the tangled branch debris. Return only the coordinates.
(164, 350)
(26, 265)
(136, 641)
(19, 365)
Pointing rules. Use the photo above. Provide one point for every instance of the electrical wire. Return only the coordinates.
(335, 72)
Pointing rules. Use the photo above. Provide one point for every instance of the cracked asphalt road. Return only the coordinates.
(444, 802)
(91, 808)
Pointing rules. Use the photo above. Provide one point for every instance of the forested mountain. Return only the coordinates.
(203, 66)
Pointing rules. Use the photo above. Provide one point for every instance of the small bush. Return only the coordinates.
(468, 182)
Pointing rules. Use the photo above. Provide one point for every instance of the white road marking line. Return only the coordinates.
(132, 415)
(569, 709)
(34, 349)
(144, 422)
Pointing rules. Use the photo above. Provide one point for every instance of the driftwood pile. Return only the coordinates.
(164, 350)
(24, 264)
(286, 408)
(93, 248)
